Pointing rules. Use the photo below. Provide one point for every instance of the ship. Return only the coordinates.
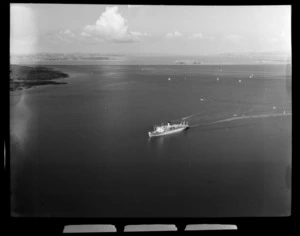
(168, 129)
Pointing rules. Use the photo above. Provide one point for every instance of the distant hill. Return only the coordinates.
(187, 62)
(276, 56)
(62, 56)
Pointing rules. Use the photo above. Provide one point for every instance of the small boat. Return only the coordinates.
(168, 129)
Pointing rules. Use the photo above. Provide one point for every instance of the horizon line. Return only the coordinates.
(153, 53)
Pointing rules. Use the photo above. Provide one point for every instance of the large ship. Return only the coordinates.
(168, 129)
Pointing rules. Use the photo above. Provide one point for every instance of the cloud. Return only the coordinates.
(61, 37)
(85, 34)
(282, 37)
(65, 36)
(133, 6)
(197, 36)
(139, 34)
(112, 26)
(233, 38)
(67, 32)
(175, 34)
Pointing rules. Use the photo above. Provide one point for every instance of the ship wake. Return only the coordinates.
(230, 119)
(249, 117)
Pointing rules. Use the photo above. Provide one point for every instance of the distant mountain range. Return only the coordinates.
(261, 56)
(64, 56)
(187, 62)
(256, 57)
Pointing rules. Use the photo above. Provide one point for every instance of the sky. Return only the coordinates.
(148, 29)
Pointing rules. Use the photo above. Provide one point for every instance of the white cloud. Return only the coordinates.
(67, 32)
(85, 34)
(197, 36)
(233, 38)
(63, 36)
(174, 34)
(133, 6)
(139, 33)
(112, 26)
(282, 37)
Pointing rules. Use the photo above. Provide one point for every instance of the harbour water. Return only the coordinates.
(83, 150)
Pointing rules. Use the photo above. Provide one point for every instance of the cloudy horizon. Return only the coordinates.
(124, 29)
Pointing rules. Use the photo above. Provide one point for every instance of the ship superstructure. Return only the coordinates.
(168, 129)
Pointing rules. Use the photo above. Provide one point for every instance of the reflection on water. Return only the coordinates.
(160, 141)
(20, 116)
(156, 142)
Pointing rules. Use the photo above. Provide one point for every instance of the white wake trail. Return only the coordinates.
(240, 118)
(249, 117)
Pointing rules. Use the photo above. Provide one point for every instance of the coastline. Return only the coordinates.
(25, 77)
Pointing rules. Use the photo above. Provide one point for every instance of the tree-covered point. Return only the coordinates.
(18, 72)
(23, 77)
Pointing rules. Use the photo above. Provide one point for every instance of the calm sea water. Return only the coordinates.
(82, 149)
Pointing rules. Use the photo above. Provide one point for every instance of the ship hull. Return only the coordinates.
(152, 134)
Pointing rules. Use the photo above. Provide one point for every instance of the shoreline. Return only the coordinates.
(141, 63)
(23, 77)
